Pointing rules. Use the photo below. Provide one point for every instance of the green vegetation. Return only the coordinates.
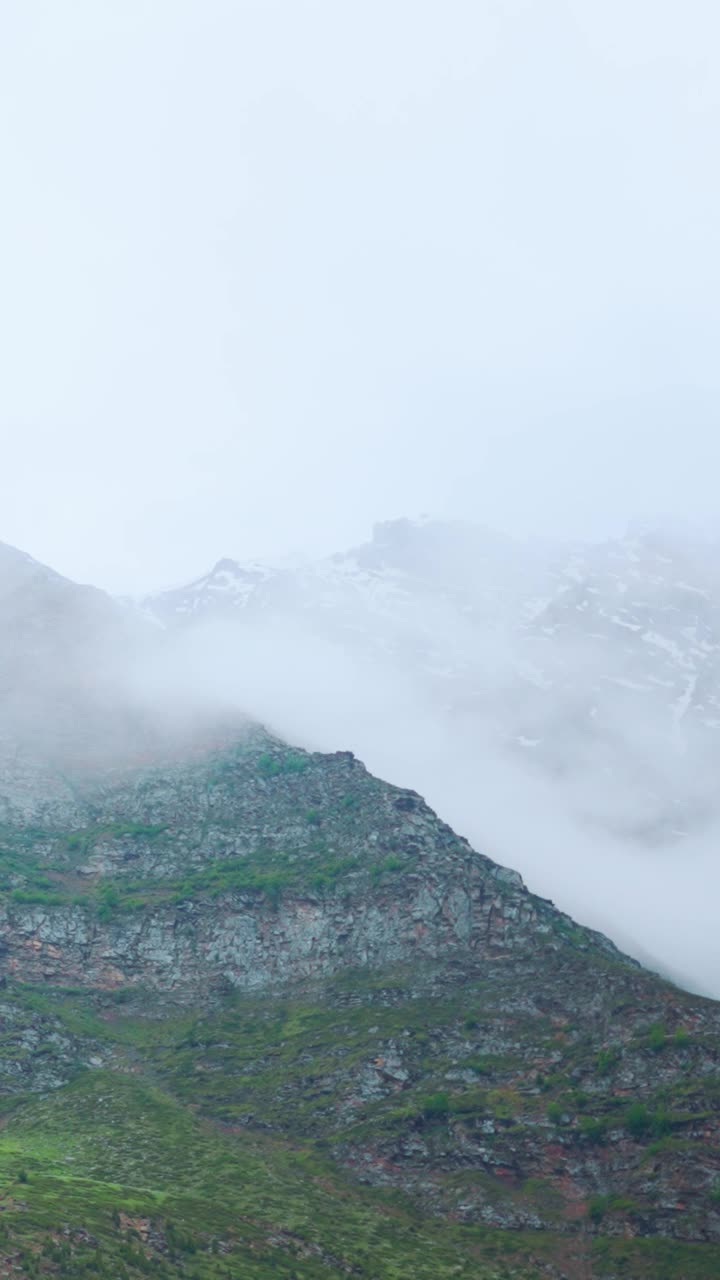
(207, 1152)
(241, 1137)
(606, 1060)
(554, 1113)
(656, 1038)
(118, 1179)
(273, 766)
(438, 1104)
(641, 1122)
(592, 1129)
(599, 1206)
(266, 872)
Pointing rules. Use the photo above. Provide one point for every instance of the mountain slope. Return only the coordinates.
(156, 876)
(65, 651)
(291, 988)
(263, 1014)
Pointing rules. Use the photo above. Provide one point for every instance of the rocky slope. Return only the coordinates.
(270, 1016)
(249, 867)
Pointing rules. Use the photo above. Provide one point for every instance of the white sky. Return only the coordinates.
(272, 270)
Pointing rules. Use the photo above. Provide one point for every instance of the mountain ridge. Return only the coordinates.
(264, 1014)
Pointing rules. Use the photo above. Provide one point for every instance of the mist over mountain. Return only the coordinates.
(217, 939)
(560, 704)
(358, 888)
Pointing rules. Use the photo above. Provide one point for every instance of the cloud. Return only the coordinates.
(322, 265)
(571, 837)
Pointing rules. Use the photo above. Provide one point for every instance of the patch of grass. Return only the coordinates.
(656, 1038)
(274, 766)
(652, 1259)
(110, 1153)
(607, 1059)
(592, 1129)
(599, 1206)
(642, 1122)
(435, 1106)
(390, 865)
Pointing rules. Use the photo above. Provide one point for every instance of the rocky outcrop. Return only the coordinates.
(253, 868)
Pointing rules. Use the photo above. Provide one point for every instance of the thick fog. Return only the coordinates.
(572, 836)
(275, 269)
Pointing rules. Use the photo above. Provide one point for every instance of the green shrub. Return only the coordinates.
(504, 1103)
(108, 901)
(598, 1206)
(554, 1113)
(75, 842)
(271, 766)
(638, 1120)
(642, 1123)
(437, 1104)
(606, 1060)
(662, 1123)
(592, 1129)
(656, 1038)
(481, 1066)
(389, 865)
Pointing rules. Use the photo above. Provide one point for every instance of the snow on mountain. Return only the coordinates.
(597, 664)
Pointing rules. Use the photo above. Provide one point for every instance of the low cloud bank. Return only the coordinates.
(655, 898)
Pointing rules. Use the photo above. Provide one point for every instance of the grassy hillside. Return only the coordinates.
(263, 1137)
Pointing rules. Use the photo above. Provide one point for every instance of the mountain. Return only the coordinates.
(75, 666)
(64, 652)
(597, 661)
(264, 1014)
(558, 702)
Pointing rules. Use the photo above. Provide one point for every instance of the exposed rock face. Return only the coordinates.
(329, 869)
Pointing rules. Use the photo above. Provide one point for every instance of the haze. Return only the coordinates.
(273, 270)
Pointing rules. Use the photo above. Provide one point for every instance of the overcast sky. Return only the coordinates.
(271, 271)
